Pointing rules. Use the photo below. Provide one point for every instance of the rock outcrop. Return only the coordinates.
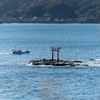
(57, 63)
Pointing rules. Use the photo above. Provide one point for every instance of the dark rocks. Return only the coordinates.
(85, 65)
(92, 59)
(59, 64)
(77, 61)
(56, 63)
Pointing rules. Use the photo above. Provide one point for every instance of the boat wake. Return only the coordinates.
(5, 53)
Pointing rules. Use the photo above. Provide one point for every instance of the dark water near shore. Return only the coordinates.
(20, 81)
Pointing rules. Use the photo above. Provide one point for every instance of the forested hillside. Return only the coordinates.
(50, 8)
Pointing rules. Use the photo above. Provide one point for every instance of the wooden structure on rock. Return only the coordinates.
(56, 62)
(55, 49)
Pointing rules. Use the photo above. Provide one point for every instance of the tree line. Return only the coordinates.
(50, 8)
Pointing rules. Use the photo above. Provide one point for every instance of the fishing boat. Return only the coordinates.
(20, 52)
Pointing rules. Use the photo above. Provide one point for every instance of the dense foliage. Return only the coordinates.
(50, 8)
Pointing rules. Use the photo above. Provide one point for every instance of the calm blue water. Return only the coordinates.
(20, 81)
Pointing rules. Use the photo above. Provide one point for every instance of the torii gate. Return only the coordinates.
(55, 49)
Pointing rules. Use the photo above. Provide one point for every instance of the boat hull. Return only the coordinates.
(19, 53)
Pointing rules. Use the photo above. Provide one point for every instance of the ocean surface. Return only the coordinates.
(20, 81)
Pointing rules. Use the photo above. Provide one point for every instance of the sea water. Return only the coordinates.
(20, 81)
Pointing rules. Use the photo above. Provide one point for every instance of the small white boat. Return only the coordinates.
(20, 52)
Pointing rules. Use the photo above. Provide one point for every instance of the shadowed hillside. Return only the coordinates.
(50, 8)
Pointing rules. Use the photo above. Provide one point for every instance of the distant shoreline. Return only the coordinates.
(45, 23)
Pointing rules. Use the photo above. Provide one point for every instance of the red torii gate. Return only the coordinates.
(55, 49)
